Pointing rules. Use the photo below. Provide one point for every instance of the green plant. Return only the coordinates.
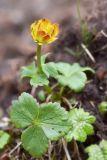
(97, 152)
(49, 121)
(4, 139)
(81, 125)
(86, 34)
(103, 107)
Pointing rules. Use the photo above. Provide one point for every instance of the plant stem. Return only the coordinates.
(33, 91)
(66, 150)
(79, 14)
(76, 150)
(61, 90)
(39, 58)
(16, 147)
(67, 102)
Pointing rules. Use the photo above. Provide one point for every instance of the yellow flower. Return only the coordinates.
(43, 31)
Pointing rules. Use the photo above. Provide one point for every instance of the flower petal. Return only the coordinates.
(43, 31)
(55, 30)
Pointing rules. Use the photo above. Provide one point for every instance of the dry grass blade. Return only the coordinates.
(88, 52)
(103, 33)
(66, 150)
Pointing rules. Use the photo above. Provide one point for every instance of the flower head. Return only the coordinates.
(43, 31)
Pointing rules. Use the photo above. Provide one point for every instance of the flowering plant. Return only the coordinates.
(49, 121)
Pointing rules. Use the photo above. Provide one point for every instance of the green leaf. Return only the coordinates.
(94, 153)
(54, 120)
(29, 70)
(81, 125)
(69, 75)
(4, 139)
(41, 95)
(34, 141)
(36, 78)
(50, 69)
(72, 76)
(103, 107)
(76, 82)
(103, 146)
(46, 121)
(24, 110)
(85, 69)
(65, 68)
(97, 152)
(40, 79)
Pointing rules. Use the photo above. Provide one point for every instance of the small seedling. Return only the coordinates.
(97, 152)
(81, 123)
(103, 107)
(4, 139)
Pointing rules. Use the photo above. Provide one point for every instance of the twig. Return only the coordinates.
(33, 91)
(67, 102)
(102, 48)
(48, 98)
(77, 150)
(89, 81)
(16, 147)
(66, 150)
(49, 150)
(103, 33)
(54, 86)
(88, 52)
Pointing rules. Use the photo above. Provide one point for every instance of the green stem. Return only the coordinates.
(78, 10)
(61, 91)
(79, 14)
(39, 58)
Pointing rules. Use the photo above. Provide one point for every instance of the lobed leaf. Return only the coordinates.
(97, 152)
(24, 111)
(81, 125)
(34, 141)
(36, 78)
(50, 69)
(29, 70)
(69, 75)
(39, 79)
(42, 122)
(76, 82)
(103, 107)
(72, 76)
(4, 139)
(54, 120)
